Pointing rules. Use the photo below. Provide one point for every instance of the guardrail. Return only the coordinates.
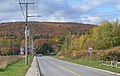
(115, 64)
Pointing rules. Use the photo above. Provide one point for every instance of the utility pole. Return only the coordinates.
(26, 30)
(26, 35)
(32, 45)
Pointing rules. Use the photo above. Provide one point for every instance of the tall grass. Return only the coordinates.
(7, 60)
(17, 69)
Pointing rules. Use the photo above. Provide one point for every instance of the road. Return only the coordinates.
(54, 67)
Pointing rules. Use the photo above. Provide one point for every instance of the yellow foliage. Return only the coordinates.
(23, 42)
(5, 50)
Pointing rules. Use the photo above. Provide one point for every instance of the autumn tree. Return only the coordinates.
(53, 41)
(39, 42)
(64, 42)
(83, 39)
(106, 35)
(4, 46)
(75, 43)
(89, 42)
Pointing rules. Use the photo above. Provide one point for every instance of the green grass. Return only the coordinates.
(17, 69)
(94, 64)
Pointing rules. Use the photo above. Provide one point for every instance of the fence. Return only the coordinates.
(112, 63)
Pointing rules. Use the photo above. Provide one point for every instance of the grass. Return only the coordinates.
(7, 60)
(17, 69)
(94, 64)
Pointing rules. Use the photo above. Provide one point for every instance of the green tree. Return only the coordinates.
(64, 42)
(116, 34)
(61, 41)
(45, 48)
(106, 35)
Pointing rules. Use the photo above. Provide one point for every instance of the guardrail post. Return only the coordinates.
(111, 63)
(116, 63)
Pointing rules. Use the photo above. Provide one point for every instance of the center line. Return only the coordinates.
(63, 68)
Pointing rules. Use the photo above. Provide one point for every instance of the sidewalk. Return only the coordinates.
(33, 70)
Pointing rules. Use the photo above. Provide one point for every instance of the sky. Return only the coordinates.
(81, 11)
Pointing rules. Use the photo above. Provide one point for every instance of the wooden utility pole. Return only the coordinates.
(26, 30)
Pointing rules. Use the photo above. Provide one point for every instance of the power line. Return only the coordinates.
(33, 9)
(22, 9)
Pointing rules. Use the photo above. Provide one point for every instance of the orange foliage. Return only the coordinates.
(40, 41)
(40, 28)
(96, 54)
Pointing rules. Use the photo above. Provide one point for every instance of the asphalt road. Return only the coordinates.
(54, 67)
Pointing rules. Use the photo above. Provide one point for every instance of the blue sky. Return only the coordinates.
(82, 11)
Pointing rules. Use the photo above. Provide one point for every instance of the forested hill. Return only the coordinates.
(44, 28)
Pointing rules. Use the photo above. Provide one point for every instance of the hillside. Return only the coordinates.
(44, 28)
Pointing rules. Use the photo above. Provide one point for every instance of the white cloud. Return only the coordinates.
(55, 10)
(118, 7)
(87, 5)
(90, 19)
(93, 19)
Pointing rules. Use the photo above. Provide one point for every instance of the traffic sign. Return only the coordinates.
(90, 49)
(74, 53)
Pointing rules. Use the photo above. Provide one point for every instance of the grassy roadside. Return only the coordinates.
(94, 64)
(17, 69)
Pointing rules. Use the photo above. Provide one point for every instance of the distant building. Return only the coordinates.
(22, 50)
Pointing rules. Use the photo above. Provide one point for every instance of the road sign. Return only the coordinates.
(90, 50)
(74, 53)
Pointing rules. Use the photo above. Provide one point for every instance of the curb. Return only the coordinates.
(39, 73)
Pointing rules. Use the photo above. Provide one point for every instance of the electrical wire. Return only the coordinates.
(33, 10)
(22, 8)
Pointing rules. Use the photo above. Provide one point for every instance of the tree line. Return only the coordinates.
(104, 36)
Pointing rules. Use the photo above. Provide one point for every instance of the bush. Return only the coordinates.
(113, 54)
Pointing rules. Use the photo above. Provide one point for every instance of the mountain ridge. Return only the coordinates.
(45, 28)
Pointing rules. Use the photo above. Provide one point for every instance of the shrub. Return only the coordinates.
(110, 54)
(113, 54)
